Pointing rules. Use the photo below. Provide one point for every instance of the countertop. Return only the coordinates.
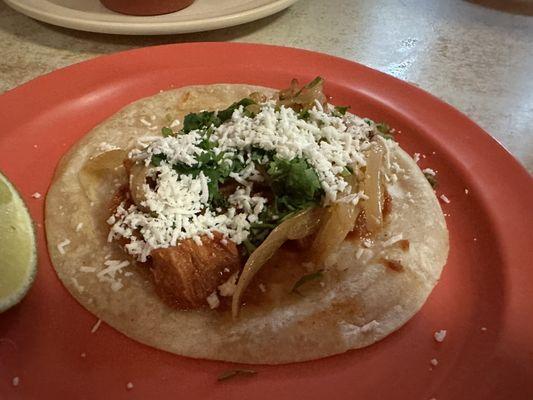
(477, 58)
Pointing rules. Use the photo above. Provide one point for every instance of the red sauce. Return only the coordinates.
(359, 231)
(387, 204)
(277, 277)
(393, 265)
(404, 244)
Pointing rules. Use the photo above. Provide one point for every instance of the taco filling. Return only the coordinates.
(241, 223)
(208, 204)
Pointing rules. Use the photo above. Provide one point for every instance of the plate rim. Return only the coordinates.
(74, 19)
(518, 288)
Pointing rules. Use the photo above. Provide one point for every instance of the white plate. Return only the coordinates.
(202, 15)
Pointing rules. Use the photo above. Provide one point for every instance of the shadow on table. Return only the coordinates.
(52, 36)
(522, 7)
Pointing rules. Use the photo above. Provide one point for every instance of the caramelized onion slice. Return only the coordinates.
(303, 98)
(104, 166)
(298, 226)
(137, 180)
(338, 220)
(372, 188)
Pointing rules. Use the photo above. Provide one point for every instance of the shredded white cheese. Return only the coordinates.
(78, 287)
(228, 288)
(96, 326)
(445, 199)
(434, 362)
(440, 335)
(129, 386)
(145, 122)
(15, 381)
(104, 146)
(61, 246)
(392, 240)
(79, 226)
(110, 272)
(177, 208)
(36, 195)
(213, 300)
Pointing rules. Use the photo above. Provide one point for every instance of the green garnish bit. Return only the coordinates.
(346, 172)
(207, 119)
(157, 159)
(167, 132)
(261, 225)
(226, 114)
(291, 186)
(341, 110)
(304, 115)
(250, 248)
(432, 180)
(385, 131)
(314, 82)
(305, 279)
(295, 179)
(232, 373)
(201, 120)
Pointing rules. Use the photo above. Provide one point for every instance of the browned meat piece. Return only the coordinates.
(121, 195)
(185, 275)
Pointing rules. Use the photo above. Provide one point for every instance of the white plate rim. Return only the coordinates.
(74, 19)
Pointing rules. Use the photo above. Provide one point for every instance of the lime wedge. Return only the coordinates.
(18, 256)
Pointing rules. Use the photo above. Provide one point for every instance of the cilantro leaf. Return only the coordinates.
(201, 120)
(384, 130)
(165, 131)
(157, 159)
(341, 110)
(306, 278)
(226, 114)
(294, 178)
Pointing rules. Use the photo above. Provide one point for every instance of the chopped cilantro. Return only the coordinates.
(290, 185)
(341, 110)
(201, 120)
(226, 114)
(346, 171)
(167, 132)
(207, 119)
(314, 82)
(157, 158)
(306, 278)
(304, 114)
(384, 130)
(295, 179)
(249, 246)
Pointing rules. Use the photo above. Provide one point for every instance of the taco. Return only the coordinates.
(239, 223)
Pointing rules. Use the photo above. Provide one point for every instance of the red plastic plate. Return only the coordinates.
(484, 300)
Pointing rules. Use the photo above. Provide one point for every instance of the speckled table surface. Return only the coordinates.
(478, 59)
